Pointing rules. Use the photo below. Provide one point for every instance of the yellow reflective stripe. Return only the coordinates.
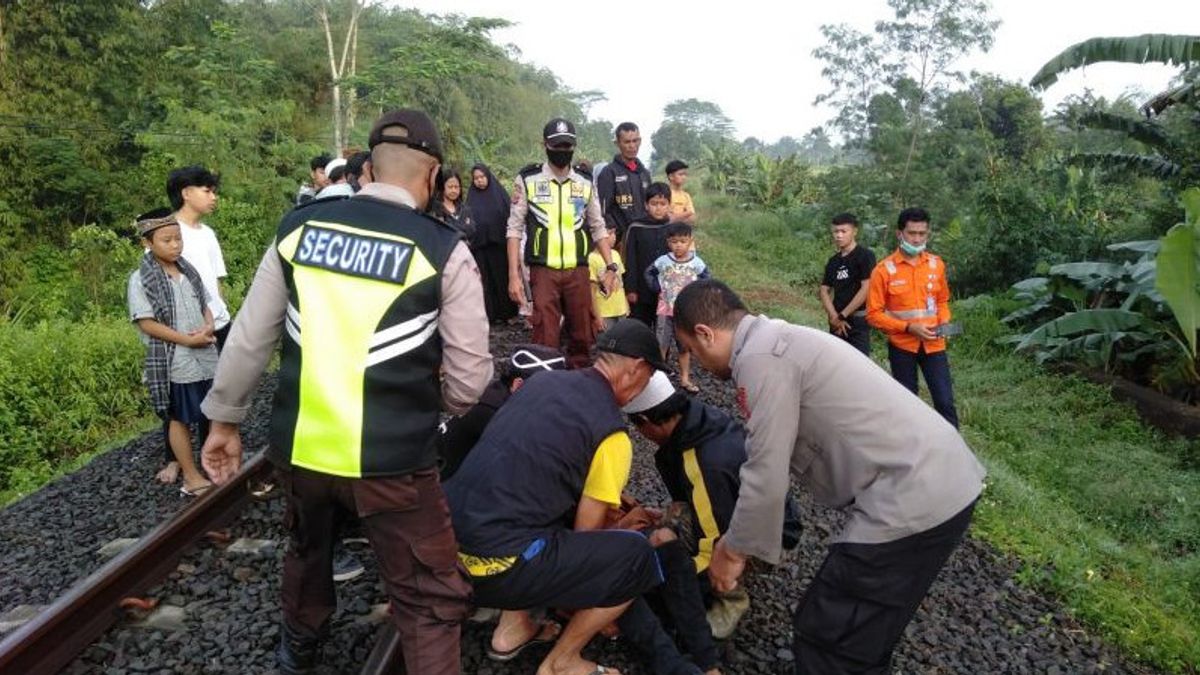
(910, 313)
(700, 502)
(334, 342)
(478, 566)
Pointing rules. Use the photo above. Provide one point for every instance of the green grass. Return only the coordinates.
(1102, 511)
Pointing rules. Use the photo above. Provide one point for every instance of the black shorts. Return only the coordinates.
(575, 570)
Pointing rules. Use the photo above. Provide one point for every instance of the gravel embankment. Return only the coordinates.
(975, 620)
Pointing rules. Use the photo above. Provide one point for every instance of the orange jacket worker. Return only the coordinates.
(908, 299)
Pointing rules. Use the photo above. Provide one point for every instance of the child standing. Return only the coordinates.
(670, 274)
(193, 194)
(168, 302)
(608, 307)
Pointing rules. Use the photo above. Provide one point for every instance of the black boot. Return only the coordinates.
(296, 655)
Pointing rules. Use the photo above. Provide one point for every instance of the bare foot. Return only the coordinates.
(169, 473)
(504, 644)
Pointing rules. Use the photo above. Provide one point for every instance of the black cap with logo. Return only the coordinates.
(416, 131)
(559, 131)
(630, 337)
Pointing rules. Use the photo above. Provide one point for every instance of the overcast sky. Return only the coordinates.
(754, 57)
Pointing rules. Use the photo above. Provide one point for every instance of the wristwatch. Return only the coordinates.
(611, 267)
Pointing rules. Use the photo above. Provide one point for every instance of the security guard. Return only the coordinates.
(382, 314)
(553, 208)
(909, 300)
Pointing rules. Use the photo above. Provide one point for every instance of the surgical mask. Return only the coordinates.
(560, 158)
(911, 249)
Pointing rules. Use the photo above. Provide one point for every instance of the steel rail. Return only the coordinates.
(62, 631)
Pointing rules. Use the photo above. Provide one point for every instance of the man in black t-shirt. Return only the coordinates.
(844, 287)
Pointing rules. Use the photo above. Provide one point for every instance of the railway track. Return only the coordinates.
(62, 631)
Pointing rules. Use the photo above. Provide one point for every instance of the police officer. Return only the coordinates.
(622, 183)
(382, 315)
(554, 208)
(817, 411)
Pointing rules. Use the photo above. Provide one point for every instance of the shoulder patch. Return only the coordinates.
(530, 169)
(891, 266)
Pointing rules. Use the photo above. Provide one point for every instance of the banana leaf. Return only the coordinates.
(1099, 321)
(1158, 48)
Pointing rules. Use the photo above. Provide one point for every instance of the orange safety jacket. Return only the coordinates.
(903, 292)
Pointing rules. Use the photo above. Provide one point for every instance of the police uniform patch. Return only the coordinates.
(541, 189)
(576, 189)
(354, 254)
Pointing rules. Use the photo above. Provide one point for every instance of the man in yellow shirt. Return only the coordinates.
(682, 209)
(557, 453)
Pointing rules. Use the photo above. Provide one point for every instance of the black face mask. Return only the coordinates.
(560, 158)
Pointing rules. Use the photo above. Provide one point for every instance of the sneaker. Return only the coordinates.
(296, 654)
(726, 611)
(345, 565)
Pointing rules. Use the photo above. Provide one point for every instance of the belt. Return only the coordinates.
(483, 566)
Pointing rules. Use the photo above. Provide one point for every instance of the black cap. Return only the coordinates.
(630, 337)
(675, 165)
(530, 359)
(417, 131)
(559, 130)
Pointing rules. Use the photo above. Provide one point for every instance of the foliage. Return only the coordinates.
(65, 386)
(1178, 267)
(1115, 315)
(1157, 48)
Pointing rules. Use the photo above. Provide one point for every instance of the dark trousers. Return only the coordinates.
(407, 522)
(681, 600)
(936, 368)
(859, 334)
(864, 595)
(646, 312)
(558, 294)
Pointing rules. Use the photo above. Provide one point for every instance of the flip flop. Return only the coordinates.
(690, 388)
(196, 491)
(537, 639)
(601, 670)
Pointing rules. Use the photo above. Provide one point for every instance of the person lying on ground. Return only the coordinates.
(531, 499)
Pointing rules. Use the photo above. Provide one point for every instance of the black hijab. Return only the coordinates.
(489, 208)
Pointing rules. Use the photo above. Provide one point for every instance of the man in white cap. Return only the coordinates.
(339, 184)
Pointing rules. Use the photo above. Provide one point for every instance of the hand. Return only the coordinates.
(838, 326)
(609, 281)
(921, 330)
(725, 567)
(221, 455)
(516, 288)
(638, 518)
(598, 324)
(631, 298)
(200, 338)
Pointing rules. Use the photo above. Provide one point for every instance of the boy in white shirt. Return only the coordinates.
(193, 194)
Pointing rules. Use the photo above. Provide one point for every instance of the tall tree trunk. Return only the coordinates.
(337, 68)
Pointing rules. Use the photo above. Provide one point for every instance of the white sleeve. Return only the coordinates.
(216, 258)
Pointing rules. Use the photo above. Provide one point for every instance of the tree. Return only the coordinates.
(1172, 141)
(703, 117)
(338, 67)
(856, 70)
(916, 49)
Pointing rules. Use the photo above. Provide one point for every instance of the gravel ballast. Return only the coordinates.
(976, 619)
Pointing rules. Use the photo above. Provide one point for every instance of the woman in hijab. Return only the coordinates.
(489, 204)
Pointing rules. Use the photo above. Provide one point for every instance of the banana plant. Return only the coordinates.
(1178, 272)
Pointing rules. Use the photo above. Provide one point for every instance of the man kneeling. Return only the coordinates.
(555, 456)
